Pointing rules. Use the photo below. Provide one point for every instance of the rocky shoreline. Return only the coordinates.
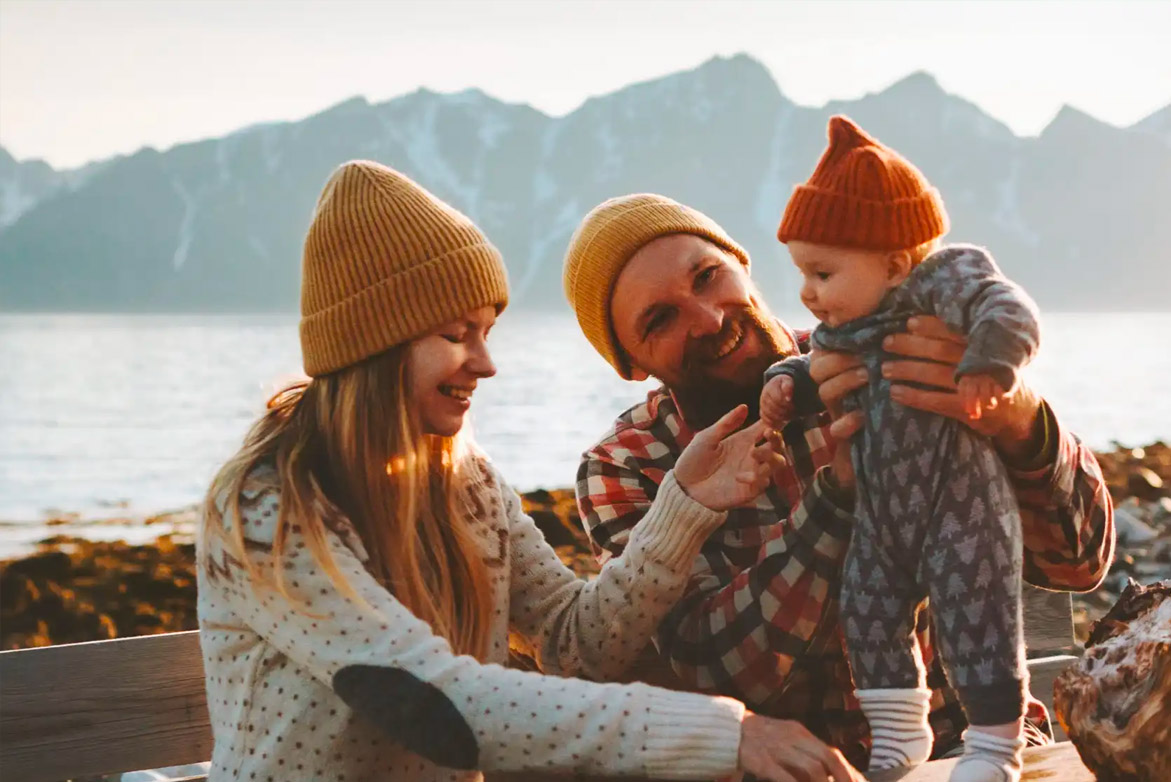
(75, 589)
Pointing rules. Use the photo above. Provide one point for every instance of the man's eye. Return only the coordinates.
(655, 323)
(706, 275)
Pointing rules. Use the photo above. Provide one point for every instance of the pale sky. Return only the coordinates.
(86, 79)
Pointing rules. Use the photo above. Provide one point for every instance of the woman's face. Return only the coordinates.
(444, 366)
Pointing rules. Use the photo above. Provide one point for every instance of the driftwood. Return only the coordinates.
(1115, 702)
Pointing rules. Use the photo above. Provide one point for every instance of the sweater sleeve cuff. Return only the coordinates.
(825, 518)
(1043, 446)
(675, 527)
(699, 733)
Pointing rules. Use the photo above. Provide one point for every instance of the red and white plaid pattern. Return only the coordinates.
(759, 619)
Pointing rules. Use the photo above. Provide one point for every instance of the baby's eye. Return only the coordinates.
(823, 276)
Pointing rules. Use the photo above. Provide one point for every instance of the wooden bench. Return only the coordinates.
(85, 709)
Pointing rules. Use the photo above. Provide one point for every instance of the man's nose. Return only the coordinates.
(707, 318)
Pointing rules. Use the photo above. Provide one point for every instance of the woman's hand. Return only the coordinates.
(784, 751)
(929, 354)
(722, 468)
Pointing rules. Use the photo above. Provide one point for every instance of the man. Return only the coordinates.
(662, 291)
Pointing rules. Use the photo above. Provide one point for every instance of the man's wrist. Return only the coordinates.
(840, 496)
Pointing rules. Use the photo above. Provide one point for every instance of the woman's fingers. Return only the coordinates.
(839, 769)
(727, 424)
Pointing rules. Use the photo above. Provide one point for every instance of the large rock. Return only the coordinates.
(1115, 703)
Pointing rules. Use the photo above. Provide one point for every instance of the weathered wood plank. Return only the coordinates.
(102, 707)
(1043, 672)
(1057, 762)
(140, 703)
(1048, 621)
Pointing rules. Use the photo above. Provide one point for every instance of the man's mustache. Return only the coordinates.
(700, 351)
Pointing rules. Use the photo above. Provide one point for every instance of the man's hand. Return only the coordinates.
(837, 374)
(722, 468)
(930, 352)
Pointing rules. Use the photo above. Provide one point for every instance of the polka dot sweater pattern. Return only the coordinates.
(333, 690)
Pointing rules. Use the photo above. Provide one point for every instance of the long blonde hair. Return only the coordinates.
(348, 449)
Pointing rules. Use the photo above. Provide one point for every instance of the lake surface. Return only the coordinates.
(115, 415)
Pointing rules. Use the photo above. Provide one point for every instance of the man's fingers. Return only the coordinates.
(939, 402)
(924, 372)
(928, 348)
(836, 387)
(823, 366)
(842, 429)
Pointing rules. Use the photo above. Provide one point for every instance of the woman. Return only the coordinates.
(362, 565)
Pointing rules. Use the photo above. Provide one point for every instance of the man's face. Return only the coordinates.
(686, 312)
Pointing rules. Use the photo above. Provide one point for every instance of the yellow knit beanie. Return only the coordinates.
(603, 243)
(386, 261)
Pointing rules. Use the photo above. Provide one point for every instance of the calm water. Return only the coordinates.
(109, 415)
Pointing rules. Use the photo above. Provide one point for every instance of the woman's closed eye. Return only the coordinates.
(453, 337)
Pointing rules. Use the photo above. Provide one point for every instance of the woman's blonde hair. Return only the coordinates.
(347, 449)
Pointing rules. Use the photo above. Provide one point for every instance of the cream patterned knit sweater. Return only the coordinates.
(345, 694)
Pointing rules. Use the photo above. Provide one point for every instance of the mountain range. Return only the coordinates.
(1078, 214)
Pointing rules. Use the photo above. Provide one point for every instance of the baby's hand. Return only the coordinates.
(776, 402)
(979, 393)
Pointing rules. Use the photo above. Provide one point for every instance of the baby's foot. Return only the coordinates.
(989, 758)
(899, 732)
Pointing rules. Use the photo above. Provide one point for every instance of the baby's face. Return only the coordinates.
(841, 283)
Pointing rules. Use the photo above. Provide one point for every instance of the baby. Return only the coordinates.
(936, 515)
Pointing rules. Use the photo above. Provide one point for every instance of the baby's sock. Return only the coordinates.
(898, 726)
(989, 758)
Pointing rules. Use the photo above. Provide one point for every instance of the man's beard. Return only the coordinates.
(702, 398)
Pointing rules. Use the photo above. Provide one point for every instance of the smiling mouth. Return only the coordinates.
(457, 392)
(735, 337)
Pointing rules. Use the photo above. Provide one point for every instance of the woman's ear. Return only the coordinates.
(898, 266)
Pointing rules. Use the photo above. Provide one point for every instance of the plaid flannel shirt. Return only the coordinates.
(759, 618)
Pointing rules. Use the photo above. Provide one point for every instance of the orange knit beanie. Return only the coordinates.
(863, 194)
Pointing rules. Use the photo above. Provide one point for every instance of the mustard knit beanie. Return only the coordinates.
(603, 243)
(386, 261)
